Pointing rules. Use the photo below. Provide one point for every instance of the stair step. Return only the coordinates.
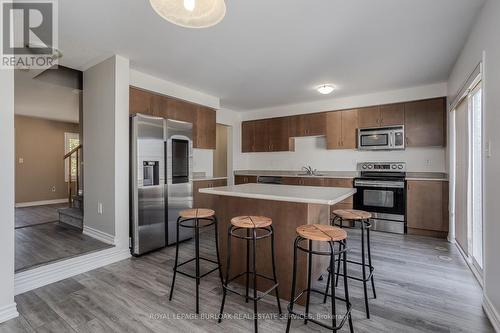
(71, 216)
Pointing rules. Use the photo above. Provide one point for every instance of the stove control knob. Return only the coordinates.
(400, 166)
(370, 166)
(394, 166)
(364, 166)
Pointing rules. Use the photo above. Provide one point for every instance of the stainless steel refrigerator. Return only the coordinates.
(161, 167)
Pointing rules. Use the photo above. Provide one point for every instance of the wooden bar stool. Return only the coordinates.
(197, 218)
(362, 218)
(250, 224)
(320, 233)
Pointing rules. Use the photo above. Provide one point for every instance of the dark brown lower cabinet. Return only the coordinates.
(238, 180)
(427, 207)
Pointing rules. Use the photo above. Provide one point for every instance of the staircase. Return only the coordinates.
(73, 215)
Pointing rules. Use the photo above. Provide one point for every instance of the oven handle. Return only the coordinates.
(385, 184)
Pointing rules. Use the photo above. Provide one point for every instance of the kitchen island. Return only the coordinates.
(288, 207)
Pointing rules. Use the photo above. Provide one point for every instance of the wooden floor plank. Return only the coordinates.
(423, 285)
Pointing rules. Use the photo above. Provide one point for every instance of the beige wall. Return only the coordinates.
(220, 152)
(40, 143)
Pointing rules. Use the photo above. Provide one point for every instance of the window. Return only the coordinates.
(71, 141)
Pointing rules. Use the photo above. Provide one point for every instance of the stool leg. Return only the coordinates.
(370, 261)
(338, 261)
(274, 271)
(328, 283)
(309, 272)
(247, 275)
(254, 268)
(364, 269)
(294, 280)
(217, 249)
(197, 254)
(176, 259)
(332, 263)
(346, 288)
(228, 268)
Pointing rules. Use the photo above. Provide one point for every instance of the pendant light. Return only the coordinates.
(191, 13)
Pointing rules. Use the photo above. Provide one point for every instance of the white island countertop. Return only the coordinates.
(289, 193)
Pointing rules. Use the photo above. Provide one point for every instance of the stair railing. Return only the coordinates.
(74, 153)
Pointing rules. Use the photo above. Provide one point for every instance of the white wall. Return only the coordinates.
(330, 104)
(312, 150)
(203, 161)
(152, 83)
(105, 145)
(483, 44)
(7, 305)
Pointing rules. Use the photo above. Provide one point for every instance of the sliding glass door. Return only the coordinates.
(476, 176)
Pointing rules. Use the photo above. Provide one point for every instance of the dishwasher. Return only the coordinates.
(270, 180)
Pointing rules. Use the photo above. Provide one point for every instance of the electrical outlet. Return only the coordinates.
(428, 162)
(53, 188)
(99, 208)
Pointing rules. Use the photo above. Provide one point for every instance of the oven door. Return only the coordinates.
(380, 196)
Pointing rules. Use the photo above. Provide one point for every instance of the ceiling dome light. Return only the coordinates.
(325, 89)
(191, 13)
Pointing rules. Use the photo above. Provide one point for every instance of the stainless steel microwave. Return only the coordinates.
(381, 138)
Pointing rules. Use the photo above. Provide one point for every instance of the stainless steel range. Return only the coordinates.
(381, 191)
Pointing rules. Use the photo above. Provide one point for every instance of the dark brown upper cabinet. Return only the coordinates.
(204, 133)
(247, 136)
(265, 135)
(381, 116)
(425, 123)
(369, 117)
(181, 110)
(392, 114)
(202, 118)
(310, 124)
(279, 138)
(144, 102)
(341, 127)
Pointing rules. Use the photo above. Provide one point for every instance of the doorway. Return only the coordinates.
(221, 159)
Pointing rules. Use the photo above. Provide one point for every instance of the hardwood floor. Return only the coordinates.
(39, 244)
(423, 285)
(28, 216)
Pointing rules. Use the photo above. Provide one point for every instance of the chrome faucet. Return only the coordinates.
(309, 170)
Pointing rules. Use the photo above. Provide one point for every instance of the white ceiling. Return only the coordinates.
(272, 52)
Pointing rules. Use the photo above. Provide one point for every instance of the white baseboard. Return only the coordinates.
(99, 235)
(492, 313)
(8, 312)
(41, 203)
(44, 275)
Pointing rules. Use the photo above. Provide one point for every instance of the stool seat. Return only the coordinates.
(196, 213)
(251, 222)
(321, 232)
(352, 214)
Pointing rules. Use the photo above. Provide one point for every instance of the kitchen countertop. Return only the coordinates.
(208, 178)
(322, 174)
(339, 174)
(289, 193)
(426, 176)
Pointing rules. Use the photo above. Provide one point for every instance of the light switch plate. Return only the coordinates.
(488, 149)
